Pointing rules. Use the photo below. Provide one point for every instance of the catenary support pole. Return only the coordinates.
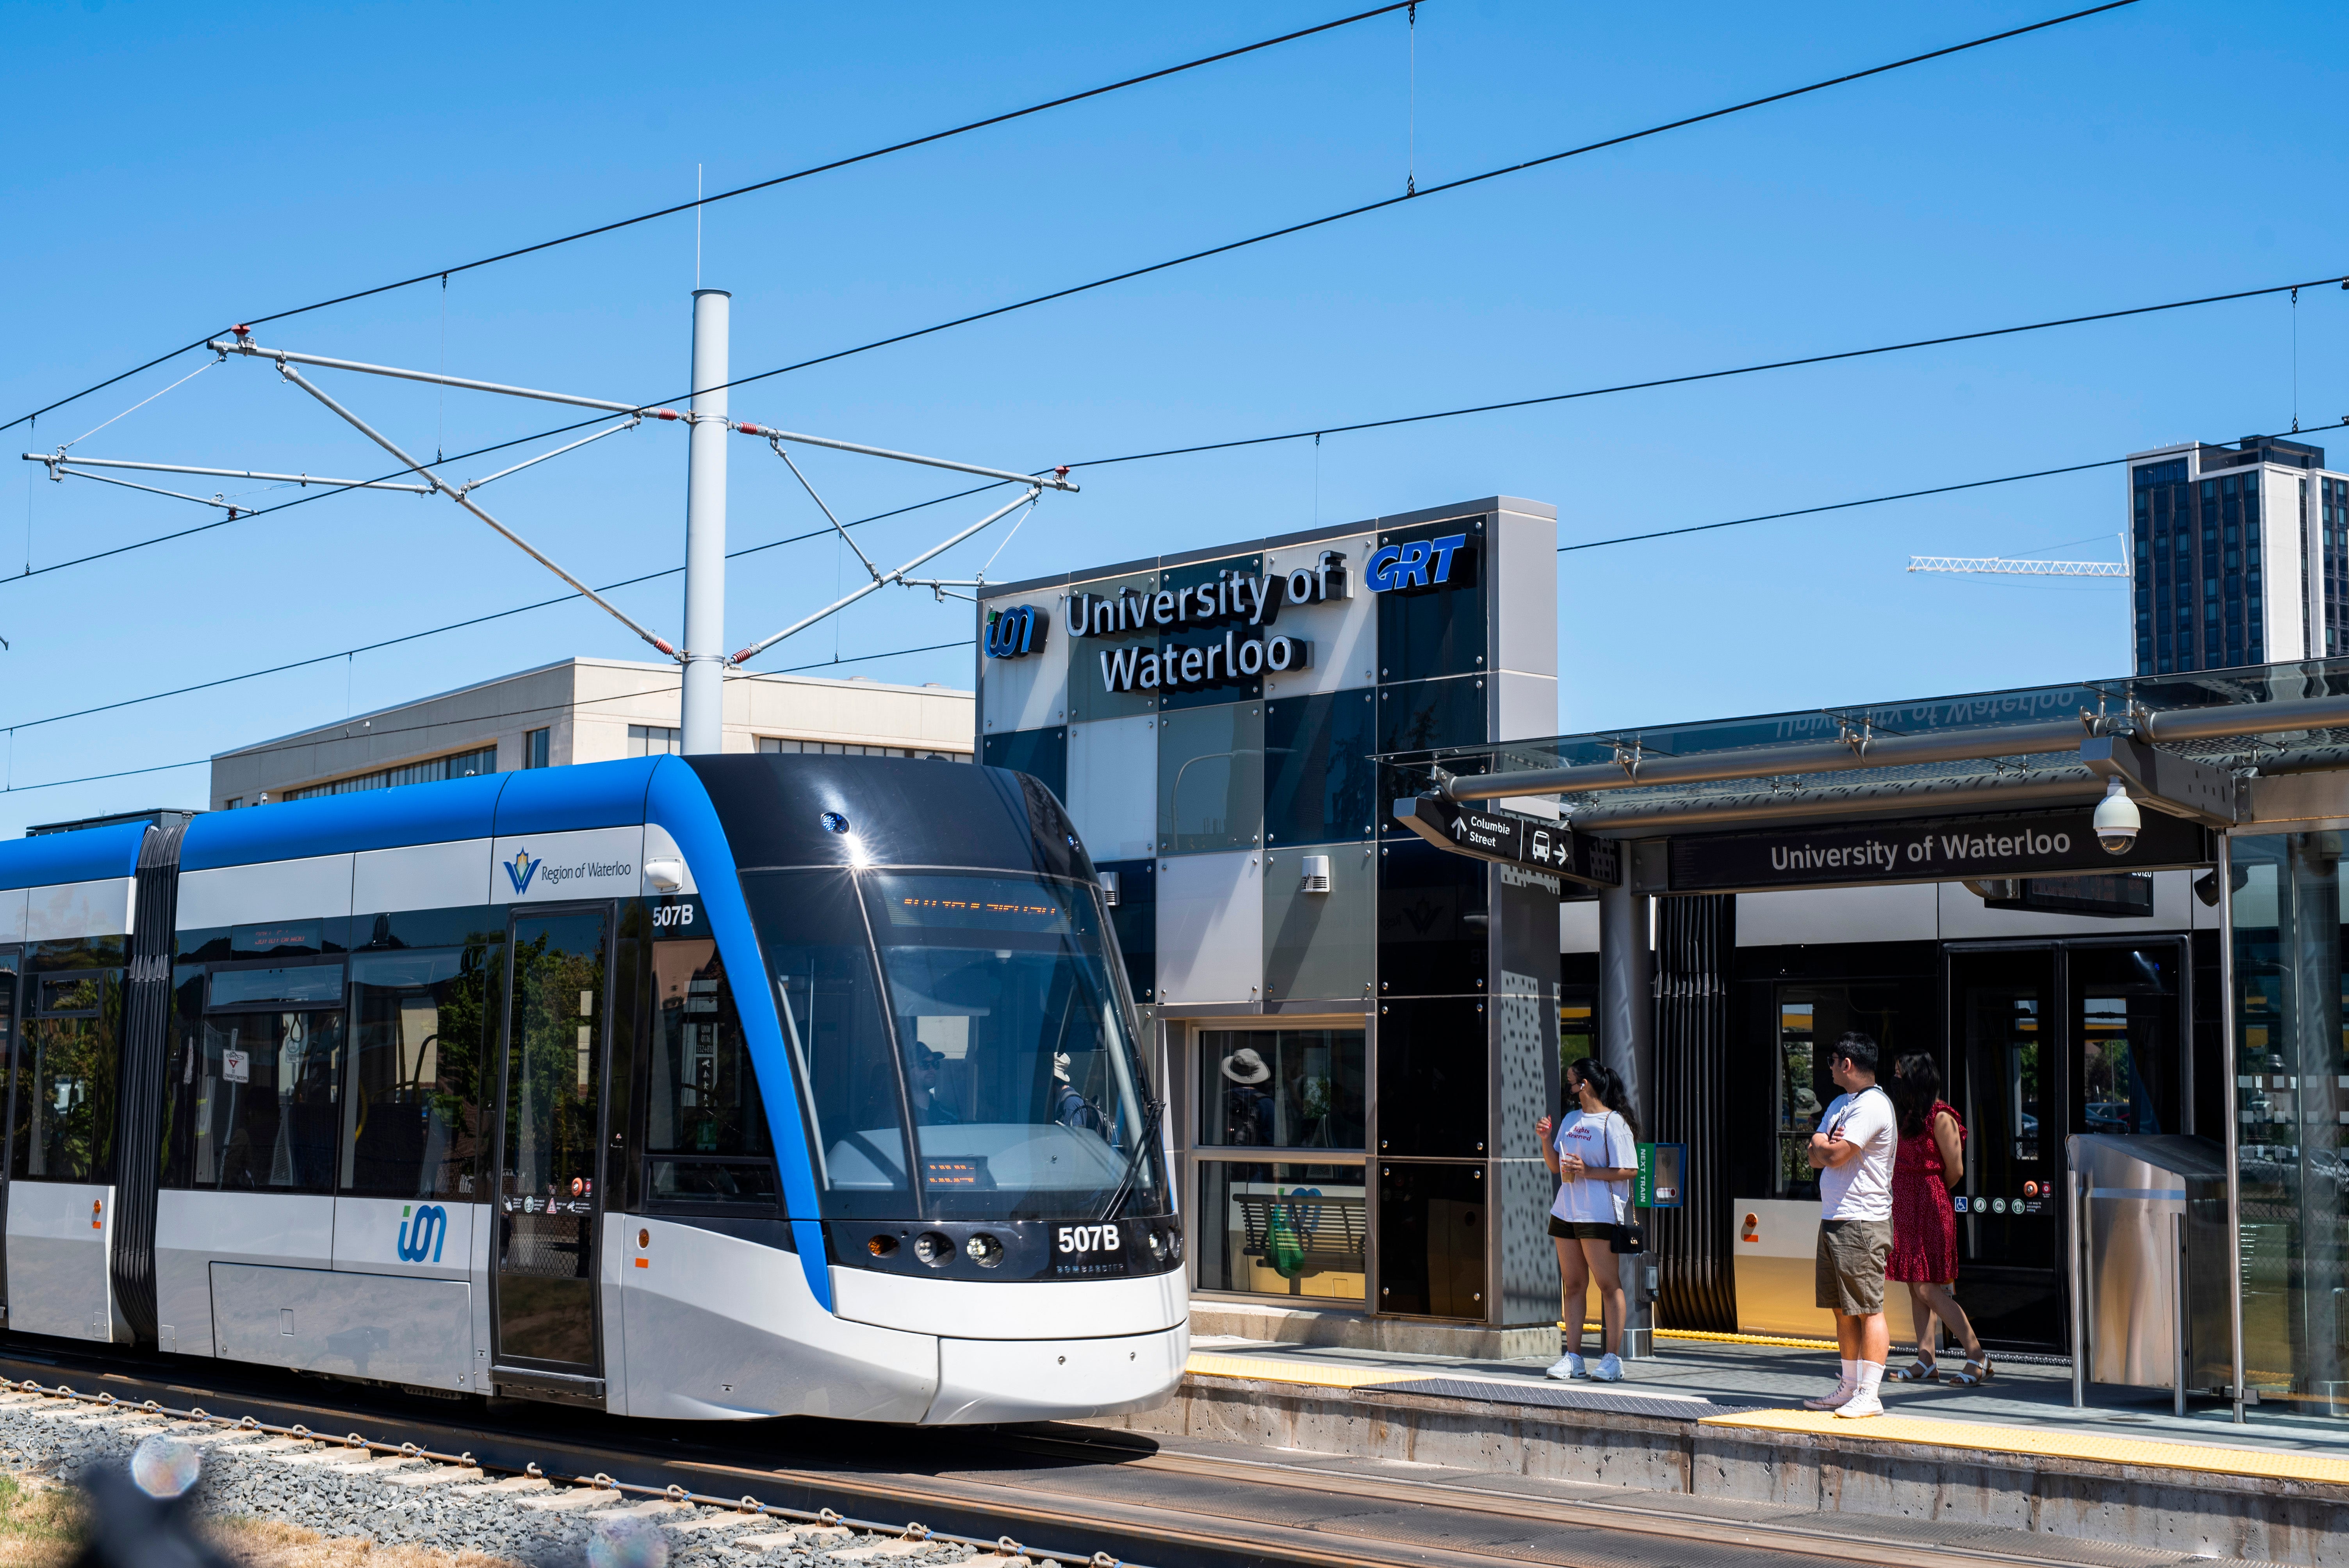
(1627, 1005)
(705, 530)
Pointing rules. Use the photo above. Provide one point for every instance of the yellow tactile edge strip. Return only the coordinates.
(2048, 1443)
(1204, 1364)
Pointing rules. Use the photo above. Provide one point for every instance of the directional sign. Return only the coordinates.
(1511, 838)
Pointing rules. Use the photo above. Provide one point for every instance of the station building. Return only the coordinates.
(1356, 1029)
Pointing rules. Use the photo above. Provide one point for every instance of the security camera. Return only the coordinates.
(2116, 819)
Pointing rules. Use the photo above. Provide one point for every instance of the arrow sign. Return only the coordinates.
(1511, 838)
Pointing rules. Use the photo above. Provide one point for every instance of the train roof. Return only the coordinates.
(904, 811)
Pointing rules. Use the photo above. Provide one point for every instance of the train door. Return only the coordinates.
(550, 1193)
(2046, 1040)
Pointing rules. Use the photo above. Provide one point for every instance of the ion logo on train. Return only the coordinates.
(430, 1228)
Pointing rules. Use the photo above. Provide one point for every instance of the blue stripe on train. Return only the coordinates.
(678, 802)
(89, 854)
(337, 824)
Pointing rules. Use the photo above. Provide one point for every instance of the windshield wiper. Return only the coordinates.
(1141, 1146)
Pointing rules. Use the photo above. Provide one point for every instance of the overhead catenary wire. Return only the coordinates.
(977, 489)
(1317, 431)
(1866, 501)
(1297, 228)
(443, 274)
(1464, 183)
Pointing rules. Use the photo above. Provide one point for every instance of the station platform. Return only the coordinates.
(1720, 1418)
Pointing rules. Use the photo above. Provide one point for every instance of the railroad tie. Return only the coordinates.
(731, 1520)
(570, 1499)
(438, 1475)
(658, 1508)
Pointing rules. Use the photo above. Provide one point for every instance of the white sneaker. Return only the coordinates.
(1609, 1370)
(1566, 1365)
(1859, 1405)
(1835, 1402)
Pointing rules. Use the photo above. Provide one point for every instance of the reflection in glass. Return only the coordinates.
(704, 1093)
(265, 1105)
(1282, 1230)
(64, 1101)
(1286, 1088)
(413, 1125)
(813, 933)
(1026, 1095)
(1210, 777)
(2290, 1069)
(547, 1199)
(1808, 1020)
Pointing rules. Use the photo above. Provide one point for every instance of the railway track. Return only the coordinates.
(1083, 1494)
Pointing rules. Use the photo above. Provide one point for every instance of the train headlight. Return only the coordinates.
(882, 1247)
(933, 1248)
(984, 1250)
(1157, 1243)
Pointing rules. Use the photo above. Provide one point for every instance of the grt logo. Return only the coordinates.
(421, 1234)
(1422, 563)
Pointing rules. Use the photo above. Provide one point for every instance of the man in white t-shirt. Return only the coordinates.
(1853, 1150)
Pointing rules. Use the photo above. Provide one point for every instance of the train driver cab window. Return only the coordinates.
(705, 1127)
(65, 1098)
(411, 1124)
(811, 935)
(1026, 1099)
(260, 1080)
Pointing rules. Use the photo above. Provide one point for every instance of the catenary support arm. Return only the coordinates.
(459, 496)
(1035, 489)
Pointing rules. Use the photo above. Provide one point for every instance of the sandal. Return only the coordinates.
(1921, 1371)
(1975, 1374)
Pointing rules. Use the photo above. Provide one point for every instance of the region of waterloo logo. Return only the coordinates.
(520, 869)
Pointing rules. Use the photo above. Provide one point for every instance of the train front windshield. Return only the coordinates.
(983, 1068)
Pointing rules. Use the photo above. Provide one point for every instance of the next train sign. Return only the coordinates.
(1949, 849)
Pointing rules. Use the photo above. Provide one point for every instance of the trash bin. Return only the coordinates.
(2148, 1265)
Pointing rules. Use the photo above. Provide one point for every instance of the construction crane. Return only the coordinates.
(2007, 566)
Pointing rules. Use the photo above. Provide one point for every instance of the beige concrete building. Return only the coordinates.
(588, 710)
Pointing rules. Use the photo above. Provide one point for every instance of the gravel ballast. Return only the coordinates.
(341, 1491)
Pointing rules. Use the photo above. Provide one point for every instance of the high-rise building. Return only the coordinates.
(2239, 555)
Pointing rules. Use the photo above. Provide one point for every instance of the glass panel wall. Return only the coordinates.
(1268, 1225)
(2290, 1108)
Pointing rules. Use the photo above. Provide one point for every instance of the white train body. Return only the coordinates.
(728, 1088)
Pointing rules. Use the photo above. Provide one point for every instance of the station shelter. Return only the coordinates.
(1366, 914)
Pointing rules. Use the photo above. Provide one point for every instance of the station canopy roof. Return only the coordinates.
(2192, 744)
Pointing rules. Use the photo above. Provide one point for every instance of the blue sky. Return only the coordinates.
(174, 169)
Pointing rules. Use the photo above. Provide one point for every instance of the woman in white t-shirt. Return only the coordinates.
(1594, 1153)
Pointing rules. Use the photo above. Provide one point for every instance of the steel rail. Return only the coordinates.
(1183, 1531)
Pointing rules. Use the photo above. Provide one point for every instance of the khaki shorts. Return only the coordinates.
(1852, 1258)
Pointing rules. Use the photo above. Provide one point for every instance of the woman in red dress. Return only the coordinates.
(1932, 1161)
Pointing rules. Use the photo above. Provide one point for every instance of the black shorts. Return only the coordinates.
(1584, 1230)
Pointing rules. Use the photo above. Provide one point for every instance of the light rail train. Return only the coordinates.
(711, 1088)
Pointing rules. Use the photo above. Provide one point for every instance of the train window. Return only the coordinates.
(65, 1099)
(309, 986)
(1028, 1101)
(814, 939)
(262, 1111)
(703, 1105)
(411, 1118)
